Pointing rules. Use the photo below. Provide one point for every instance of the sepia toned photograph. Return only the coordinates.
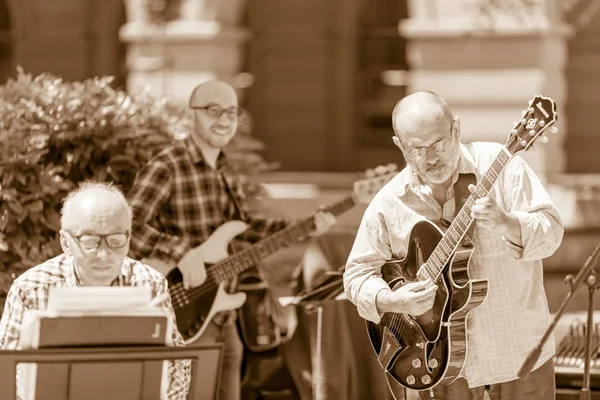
(299, 199)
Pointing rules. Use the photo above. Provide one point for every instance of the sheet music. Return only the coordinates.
(99, 298)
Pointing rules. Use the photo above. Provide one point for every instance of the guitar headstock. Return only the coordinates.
(540, 116)
(374, 179)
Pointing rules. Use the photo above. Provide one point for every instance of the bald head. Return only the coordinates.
(95, 202)
(419, 110)
(213, 92)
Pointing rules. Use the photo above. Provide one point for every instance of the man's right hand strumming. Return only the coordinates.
(192, 269)
(414, 298)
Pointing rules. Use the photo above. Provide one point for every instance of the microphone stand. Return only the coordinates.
(592, 280)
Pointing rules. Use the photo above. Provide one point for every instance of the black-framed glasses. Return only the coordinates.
(90, 242)
(215, 111)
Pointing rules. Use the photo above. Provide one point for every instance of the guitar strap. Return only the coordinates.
(238, 210)
(257, 321)
(461, 195)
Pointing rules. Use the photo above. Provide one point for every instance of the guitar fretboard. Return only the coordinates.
(457, 230)
(237, 263)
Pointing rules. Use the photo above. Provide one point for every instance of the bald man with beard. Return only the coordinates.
(185, 193)
(516, 226)
(94, 235)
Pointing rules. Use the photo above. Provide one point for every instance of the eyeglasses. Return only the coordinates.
(438, 147)
(215, 112)
(88, 242)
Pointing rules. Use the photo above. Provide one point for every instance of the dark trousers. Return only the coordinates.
(540, 385)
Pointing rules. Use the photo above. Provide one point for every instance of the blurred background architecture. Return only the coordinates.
(320, 79)
(322, 76)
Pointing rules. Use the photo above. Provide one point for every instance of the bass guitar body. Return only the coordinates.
(422, 352)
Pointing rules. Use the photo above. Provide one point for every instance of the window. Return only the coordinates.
(381, 69)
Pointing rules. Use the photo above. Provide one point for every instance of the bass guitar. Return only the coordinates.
(195, 307)
(421, 352)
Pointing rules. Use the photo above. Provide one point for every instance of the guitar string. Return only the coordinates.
(235, 259)
(398, 320)
(178, 291)
(194, 293)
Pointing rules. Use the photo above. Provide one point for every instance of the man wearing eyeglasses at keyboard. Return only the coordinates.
(94, 235)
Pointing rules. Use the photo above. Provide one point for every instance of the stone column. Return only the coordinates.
(488, 63)
(205, 41)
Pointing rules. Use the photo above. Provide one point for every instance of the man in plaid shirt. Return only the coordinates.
(95, 233)
(516, 226)
(185, 193)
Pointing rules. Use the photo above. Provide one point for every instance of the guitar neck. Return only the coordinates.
(237, 263)
(459, 227)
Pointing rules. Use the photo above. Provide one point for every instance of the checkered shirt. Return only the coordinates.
(514, 316)
(179, 201)
(30, 291)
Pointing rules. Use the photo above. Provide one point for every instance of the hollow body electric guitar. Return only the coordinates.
(421, 352)
(195, 307)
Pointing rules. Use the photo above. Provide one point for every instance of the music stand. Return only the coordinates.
(591, 278)
(99, 355)
(331, 290)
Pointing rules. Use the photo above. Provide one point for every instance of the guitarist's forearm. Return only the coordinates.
(384, 301)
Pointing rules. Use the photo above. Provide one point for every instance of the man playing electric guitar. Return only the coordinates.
(516, 226)
(185, 193)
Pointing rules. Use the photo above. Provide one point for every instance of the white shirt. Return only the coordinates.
(511, 321)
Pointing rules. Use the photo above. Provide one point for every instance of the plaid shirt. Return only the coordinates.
(30, 291)
(178, 201)
(514, 316)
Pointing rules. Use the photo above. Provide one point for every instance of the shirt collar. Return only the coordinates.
(466, 165)
(196, 154)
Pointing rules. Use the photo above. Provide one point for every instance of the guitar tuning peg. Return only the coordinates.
(530, 111)
(543, 139)
(523, 112)
(554, 129)
(369, 173)
(530, 102)
(392, 167)
(380, 170)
